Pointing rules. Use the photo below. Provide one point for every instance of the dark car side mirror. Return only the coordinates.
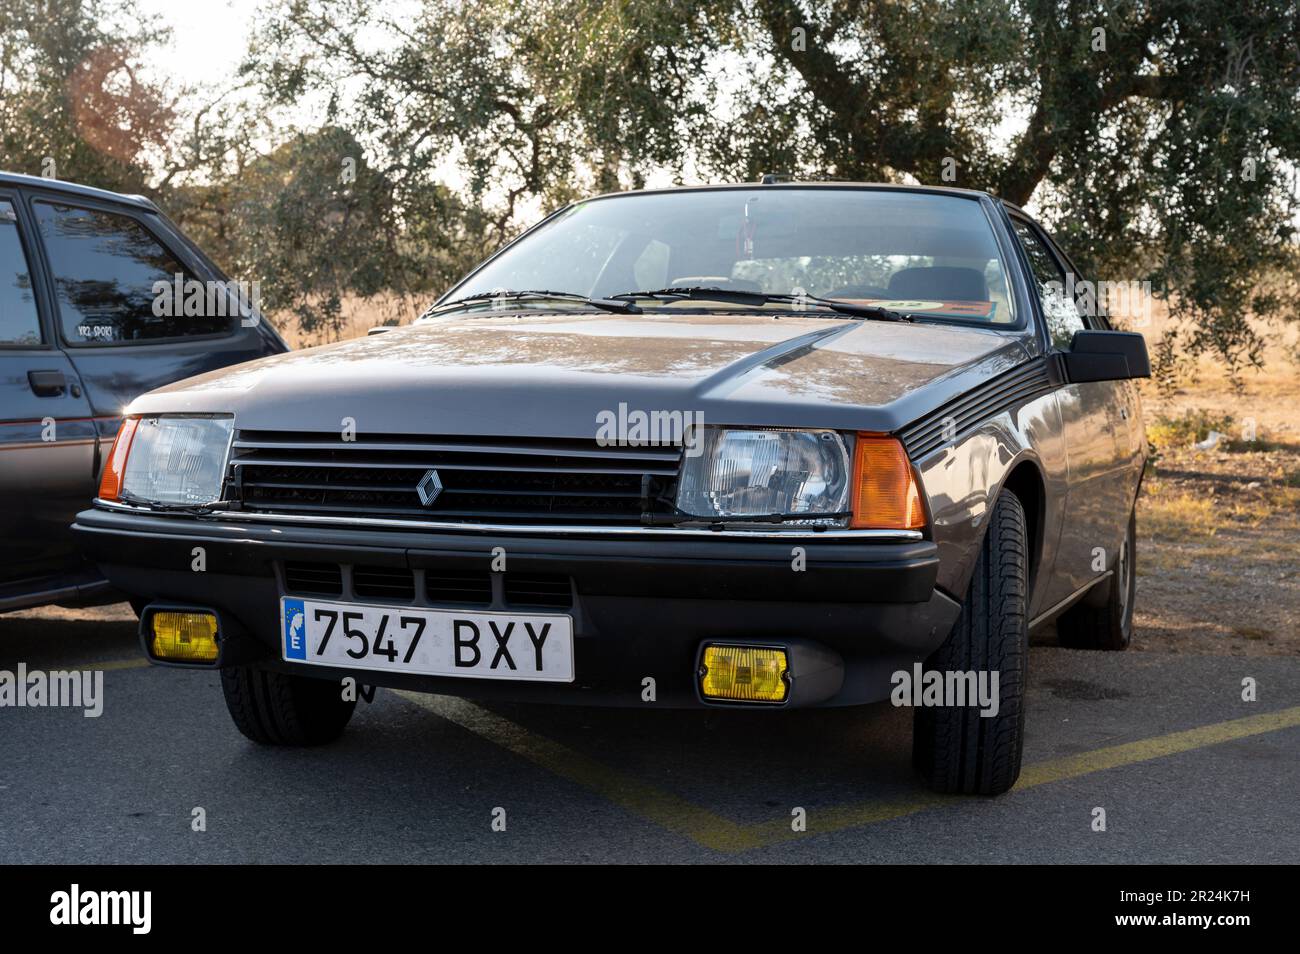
(1105, 356)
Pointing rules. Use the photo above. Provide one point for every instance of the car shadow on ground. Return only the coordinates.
(51, 642)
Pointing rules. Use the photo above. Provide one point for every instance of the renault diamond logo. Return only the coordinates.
(429, 487)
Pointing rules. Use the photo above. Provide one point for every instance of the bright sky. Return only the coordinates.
(208, 38)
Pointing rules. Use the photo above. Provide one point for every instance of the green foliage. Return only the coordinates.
(1188, 428)
(313, 222)
(1170, 433)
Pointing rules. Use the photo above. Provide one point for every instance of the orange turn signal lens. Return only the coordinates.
(110, 484)
(885, 492)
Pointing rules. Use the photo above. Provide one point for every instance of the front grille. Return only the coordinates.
(482, 480)
(385, 582)
(441, 587)
(447, 586)
(323, 579)
(541, 589)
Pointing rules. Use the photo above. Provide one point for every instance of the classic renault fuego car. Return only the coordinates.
(769, 446)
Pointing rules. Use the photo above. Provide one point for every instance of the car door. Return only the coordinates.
(47, 437)
(1095, 420)
(1129, 432)
(109, 266)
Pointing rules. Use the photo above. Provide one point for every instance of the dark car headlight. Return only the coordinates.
(755, 472)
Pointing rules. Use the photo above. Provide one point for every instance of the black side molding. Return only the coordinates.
(966, 412)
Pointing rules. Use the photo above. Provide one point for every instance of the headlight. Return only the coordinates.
(755, 473)
(178, 461)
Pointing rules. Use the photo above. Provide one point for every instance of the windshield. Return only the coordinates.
(921, 253)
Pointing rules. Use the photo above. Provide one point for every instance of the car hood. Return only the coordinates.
(550, 375)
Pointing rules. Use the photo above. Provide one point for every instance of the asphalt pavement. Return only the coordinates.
(1184, 769)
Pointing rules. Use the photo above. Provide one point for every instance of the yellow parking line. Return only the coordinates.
(137, 663)
(838, 818)
(1157, 747)
(710, 830)
(713, 831)
(834, 818)
(664, 809)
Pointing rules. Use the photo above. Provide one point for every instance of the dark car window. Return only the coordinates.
(19, 322)
(111, 276)
(1063, 318)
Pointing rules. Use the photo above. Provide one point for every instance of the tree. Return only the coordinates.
(305, 217)
(1159, 138)
(73, 104)
(311, 222)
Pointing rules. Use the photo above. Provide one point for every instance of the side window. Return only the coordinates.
(115, 282)
(1063, 318)
(19, 322)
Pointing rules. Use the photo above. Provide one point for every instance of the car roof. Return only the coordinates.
(73, 188)
(822, 184)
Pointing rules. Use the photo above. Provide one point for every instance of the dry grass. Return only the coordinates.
(1219, 561)
(359, 316)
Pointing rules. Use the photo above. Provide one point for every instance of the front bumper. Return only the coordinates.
(641, 607)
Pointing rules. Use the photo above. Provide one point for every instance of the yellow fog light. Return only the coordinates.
(185, 637)
(743, 673)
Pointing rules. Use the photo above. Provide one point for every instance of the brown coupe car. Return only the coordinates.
(772, 446)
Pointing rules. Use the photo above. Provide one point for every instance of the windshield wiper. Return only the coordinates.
(737, 297)
(604, 304)
(699, 293)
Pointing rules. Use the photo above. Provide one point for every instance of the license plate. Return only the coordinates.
(436, 642)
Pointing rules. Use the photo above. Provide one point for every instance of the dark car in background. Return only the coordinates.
(79, 340)
(901, 446)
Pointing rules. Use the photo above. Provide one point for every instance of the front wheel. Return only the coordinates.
(969, 749)
(274, 708)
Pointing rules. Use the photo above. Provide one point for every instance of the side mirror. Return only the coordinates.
(1105, 356)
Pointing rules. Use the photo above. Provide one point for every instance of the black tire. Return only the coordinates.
(273, 708)
(954, 748)
(1104, 618)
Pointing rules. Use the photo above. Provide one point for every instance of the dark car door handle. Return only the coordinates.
(47, 383)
